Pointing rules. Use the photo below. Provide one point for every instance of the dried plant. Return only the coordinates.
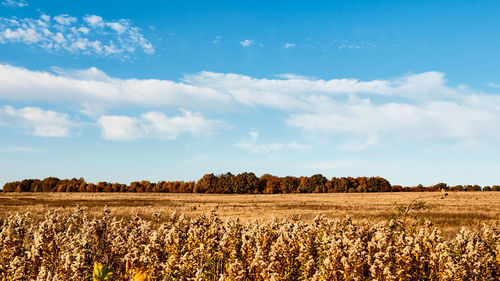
(76, 247)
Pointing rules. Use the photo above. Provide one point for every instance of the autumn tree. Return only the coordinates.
(206, 184)
(269, 184)
(289, 184)
(225, 184)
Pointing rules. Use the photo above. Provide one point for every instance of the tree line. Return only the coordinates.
(244, 183)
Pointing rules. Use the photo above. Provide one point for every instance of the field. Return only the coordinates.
(458, 209)
(233, 237)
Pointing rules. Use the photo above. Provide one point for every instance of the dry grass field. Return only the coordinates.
(469, 209)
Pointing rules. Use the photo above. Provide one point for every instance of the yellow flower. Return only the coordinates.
(101, 272)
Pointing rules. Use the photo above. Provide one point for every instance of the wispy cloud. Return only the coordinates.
(339, 45)
(196, 159)
(350, 45)
(155, 125)
(91, 110)
(39, 122)
(15, 3)
(217, 39)
(360, 144)
(289, 45)
(493, 85)
(21, 149)
(252, 145)
(92, 35)
(247, 43)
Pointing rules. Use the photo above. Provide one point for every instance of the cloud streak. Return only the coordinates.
(92, 86)
(21, 149)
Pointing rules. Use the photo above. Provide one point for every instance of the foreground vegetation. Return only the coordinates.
(73, 246)
(244, 183)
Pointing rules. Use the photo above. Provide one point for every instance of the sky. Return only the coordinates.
(120, 91)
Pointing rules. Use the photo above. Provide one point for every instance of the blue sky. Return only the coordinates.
(128, 90)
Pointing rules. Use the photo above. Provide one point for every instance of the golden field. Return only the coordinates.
(234, 237)
(458, 209)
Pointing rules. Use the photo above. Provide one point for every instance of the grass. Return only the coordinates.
(459, 209)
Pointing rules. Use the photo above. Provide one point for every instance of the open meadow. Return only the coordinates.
(458, 209)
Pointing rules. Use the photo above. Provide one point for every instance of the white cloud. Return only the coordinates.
(299, 93)
(39, 122)
(65, 19)
(414, 106)
(92, 86)
(247, 43)
(84, 30)
(120, 128)
(414, 86)
(252, 145)
(155, 125)
(15, 3)
(289, 45)
(434, 119)
(63, 33)
(118, 27)
(94, 21)
(159, 125)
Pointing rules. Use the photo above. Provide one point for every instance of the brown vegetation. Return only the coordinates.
(73, 246)
(469, 209)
